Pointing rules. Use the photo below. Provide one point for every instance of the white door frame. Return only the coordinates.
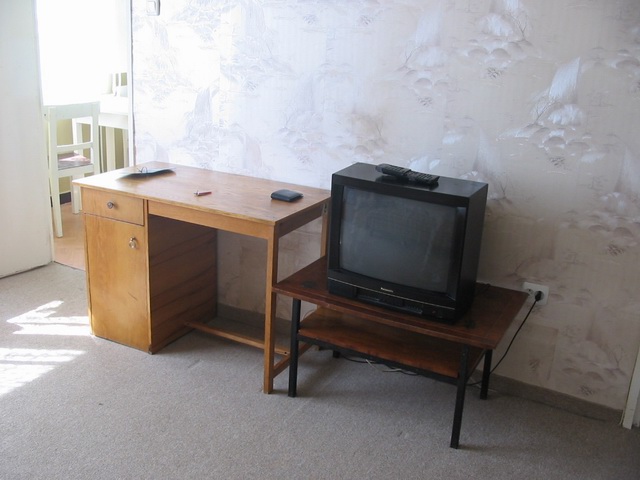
(130, 89)
(632, 411)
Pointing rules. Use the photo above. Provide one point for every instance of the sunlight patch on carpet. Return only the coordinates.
(43, 321)
(19, 366)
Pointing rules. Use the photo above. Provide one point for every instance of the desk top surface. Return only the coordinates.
(231, 195)
(492, 312)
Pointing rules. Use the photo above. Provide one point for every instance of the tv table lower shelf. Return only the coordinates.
(448, 353)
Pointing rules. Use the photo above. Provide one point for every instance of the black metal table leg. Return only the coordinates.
(486, 374)
(462, 384)
(293, 356)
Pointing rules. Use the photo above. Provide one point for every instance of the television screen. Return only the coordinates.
(397, 239)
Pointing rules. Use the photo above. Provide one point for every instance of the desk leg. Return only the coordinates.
(270, 312)
(110, 139)
(293, 357)
(462, 384)
(76, 198)
(486, 373)
(125, 147)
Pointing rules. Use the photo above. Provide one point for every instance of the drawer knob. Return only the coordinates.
(133, 243)
(110, 205)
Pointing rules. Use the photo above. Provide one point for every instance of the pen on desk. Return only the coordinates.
(198, 193)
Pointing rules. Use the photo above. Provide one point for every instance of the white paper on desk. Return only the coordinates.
(145, 172)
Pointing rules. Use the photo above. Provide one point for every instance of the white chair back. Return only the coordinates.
(75, 159)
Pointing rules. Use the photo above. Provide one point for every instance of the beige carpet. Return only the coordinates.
(77, 407)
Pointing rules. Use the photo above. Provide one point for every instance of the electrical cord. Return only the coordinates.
(537, 297)
(377, 365)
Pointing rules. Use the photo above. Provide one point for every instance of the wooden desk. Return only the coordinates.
(151, 250)
(448, 353)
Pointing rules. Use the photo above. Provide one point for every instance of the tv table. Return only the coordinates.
(150, 248)
(447, 353)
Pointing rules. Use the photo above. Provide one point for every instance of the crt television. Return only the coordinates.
(405, 246)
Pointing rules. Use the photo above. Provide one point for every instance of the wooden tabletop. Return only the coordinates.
(231, 195)
(483, 326)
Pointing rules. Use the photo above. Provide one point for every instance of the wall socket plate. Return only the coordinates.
(532, 288)
(153, 8)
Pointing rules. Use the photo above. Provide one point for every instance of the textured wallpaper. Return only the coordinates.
(538, 98)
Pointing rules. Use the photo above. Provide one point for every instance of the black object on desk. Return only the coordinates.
(286, 195)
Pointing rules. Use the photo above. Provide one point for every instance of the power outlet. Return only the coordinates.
(153, 8)
(532, 288)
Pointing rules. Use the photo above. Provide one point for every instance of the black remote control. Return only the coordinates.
(407, 174)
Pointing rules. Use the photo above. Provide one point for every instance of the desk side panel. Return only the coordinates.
(182, 277)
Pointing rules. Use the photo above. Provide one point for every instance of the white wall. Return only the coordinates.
(539, 98)
(25, 216)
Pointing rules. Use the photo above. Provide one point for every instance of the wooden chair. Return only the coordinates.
(74, 159)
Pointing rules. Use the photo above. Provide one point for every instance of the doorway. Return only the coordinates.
(85, 55)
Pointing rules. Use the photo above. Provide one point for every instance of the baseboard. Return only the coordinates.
(554, 399)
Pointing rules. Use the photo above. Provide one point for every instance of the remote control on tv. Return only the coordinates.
(407, 174)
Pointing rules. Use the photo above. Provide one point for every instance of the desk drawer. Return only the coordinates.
(113, 205)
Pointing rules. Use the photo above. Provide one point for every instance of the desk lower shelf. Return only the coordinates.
(244, 327)
(248, 328)
(427, 355)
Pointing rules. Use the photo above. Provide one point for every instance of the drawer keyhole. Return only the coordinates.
(110, 205)
(133, 243)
